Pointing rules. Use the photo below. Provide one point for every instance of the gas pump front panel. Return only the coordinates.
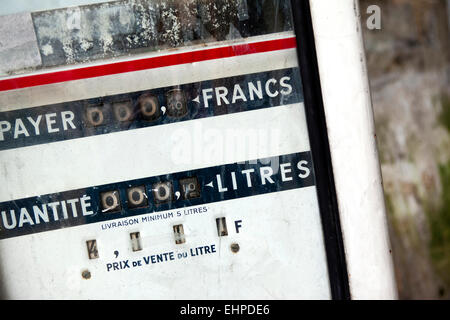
(178, 174)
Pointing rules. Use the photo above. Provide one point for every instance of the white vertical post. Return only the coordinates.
(351, 132)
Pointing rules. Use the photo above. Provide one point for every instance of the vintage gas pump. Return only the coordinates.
(190, 149)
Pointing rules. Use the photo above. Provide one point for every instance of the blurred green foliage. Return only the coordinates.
(445, 114)
(440, 218)
(440, 227)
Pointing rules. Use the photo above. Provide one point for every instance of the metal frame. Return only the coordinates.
(345, 91)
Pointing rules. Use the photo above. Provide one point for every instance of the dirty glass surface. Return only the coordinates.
(118, 28)
(171, 134)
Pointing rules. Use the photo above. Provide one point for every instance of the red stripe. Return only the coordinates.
(147, 63)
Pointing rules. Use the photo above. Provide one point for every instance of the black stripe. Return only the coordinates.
(315, 115)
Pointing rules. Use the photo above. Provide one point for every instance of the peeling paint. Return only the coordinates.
(113, 29)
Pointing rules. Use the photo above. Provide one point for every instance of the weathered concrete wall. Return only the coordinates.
(409, 71)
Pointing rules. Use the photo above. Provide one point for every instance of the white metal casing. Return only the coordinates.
(351, 134)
